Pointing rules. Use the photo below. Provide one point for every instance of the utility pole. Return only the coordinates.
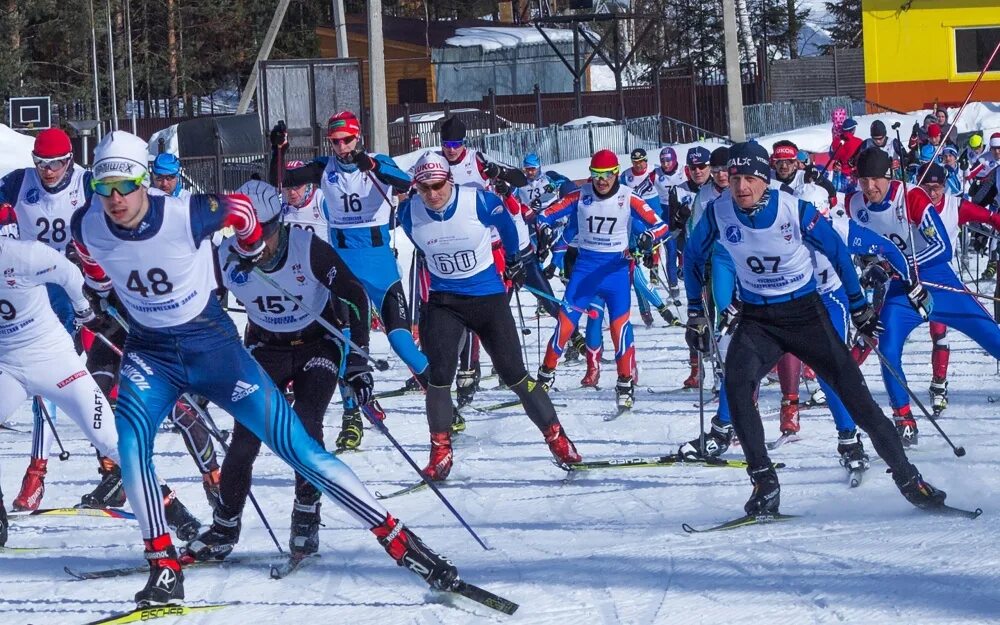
(340, 28)
(93, 56)
(734, 81)
(262, 55)
(131, 72)
(111, 72)
(376, 79)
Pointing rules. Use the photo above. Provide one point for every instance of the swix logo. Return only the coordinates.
(243, 390)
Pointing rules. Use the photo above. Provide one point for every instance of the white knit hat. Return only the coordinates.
(121, 154)
(431, 167)
(265, 199)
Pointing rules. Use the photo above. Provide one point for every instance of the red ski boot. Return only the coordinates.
(32, 486)
(790, 414)
(559, 444)
(593, 375)
(692, 380)
(439, 465)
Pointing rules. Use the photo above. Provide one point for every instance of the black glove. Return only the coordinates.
(915, 130)
(921, 300)
(648, 261)
(645, 242)
(514, 272)
(359, 377)
(810, 174)
(279, 135)
(536, 204)
(696, 334)
(730, 317)
(963, 162)
(679, 216)
(96, 323)
(874, 276)
(865, 319)
(492, 170)
(364, 162)
(501, 188)
(546, 237)
(549, 188)
(979, 242)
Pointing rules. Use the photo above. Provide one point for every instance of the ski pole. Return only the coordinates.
(380, 364)
(205, 420)
(959, 451)
(63, 454)
(701, 403)
(589, 312)
(525, 330)
(381, 427)
(905, 218)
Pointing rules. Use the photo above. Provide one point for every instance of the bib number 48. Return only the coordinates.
(156, 281)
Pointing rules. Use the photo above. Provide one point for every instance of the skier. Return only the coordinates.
(668, 176)
(765, 232)
(166, 176)
(290, 345)
(153, 250)
(877, 207)
(604, 212)
(467, 293)
(879, 138)
(304, 208)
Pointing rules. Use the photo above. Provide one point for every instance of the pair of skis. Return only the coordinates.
(762, 519)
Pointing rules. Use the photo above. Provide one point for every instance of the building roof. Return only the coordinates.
(414, 31)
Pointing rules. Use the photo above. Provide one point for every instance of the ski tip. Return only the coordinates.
(978, 512)
(688, 529)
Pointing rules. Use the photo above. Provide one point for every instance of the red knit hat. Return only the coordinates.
(604, 160)
(934, 130)
(52, 143)
(342, 125)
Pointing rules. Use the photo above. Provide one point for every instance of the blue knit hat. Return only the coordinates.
(749, 159)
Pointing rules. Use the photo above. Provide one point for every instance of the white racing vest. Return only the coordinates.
(164, 280)
(353, 200)
(535, 190)
(949, 217)
(827, 278)
(44, 216)
(310, 217)
(888, 218)
(465, 173)
(664, 182)
(603, 224)
(770, 261)
(268, 307)
(458, 247)
(26, 317)
(642, 183)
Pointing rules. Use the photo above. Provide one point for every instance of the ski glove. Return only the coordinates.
(865, 319)
(648, 261)
(364, 161)
(730, 318)
(514, 272)
(645, 242)
(696, 334)
(86, 318)
(921, 300)
(279, 135)
(359, 377)
(501, 188)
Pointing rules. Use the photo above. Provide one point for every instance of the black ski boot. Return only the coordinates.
(109, 493)
(766, 495)
(184, 524)
(920, 493)
(3, 524)
(166, 581)
(217, 541)
(304, 538)
(408, 550)
(577, 345)
(906, 427)
(546, 378)
(668, 316)
(352, 429)
(466, 385)
(717, 441)
(852, 452)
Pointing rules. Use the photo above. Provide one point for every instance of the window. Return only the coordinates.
(412, 90)
(973, 47)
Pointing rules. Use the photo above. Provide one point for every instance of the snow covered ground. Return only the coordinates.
(603, 547)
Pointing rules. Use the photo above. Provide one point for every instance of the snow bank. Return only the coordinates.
(16, 152)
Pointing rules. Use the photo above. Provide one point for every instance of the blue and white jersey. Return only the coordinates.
(890, 219)
(354, 199)
(268, 307)
(162, 272)
(44, 214)
(535, 190)
(643, 186)
(663, 182)
(456, 240)
(769, 250)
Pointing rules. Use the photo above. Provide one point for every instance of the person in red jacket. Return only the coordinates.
(844, 149)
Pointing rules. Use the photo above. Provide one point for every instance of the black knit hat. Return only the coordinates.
(452, 129)
(874, 163)
(720, 157)
(878, 128)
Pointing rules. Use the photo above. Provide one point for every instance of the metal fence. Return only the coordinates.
(773, 117)
(225, 174)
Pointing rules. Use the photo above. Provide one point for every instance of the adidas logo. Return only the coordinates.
(243, 390)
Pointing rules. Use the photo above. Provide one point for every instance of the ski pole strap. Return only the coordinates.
(589, 312)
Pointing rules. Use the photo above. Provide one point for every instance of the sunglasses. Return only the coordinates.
(427, 188)
(787, 162)
(51, 164)
(341, 141)
(123, 187)
(719, 170)
(452, 145)
(164, 177)
(699, 167)
(604, 174)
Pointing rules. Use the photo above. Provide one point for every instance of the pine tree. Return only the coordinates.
(846, 30)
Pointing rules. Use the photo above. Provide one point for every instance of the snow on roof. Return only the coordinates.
(17, 150)
(497, 37)
(589, 119)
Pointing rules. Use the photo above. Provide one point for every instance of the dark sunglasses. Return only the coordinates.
(452, 145)
(436, 186)
(342, 141)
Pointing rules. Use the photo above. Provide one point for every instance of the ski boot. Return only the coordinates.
(647, 318)
(184, 524)
(852, 452)
(692, 380)
(818, 398)
(593, 375)
(466, 385)
(408, 550)
(906, 426)
(3, 524)
(577, 345)
(546, 378)
(439, 465)
(32, 486)
(304, 536)
(416, 383)
(717, 441)
(654, 276)
(625, 393)
(211, 482)
(790, 414)
(351, 430)
(560, 445)
(990, 272)
(920, 493)
(166, 581)
(457, 421)
(675, 294)
(109, 493)
(766, 495)
(217, 541)
(939, 396)
(668, 316)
